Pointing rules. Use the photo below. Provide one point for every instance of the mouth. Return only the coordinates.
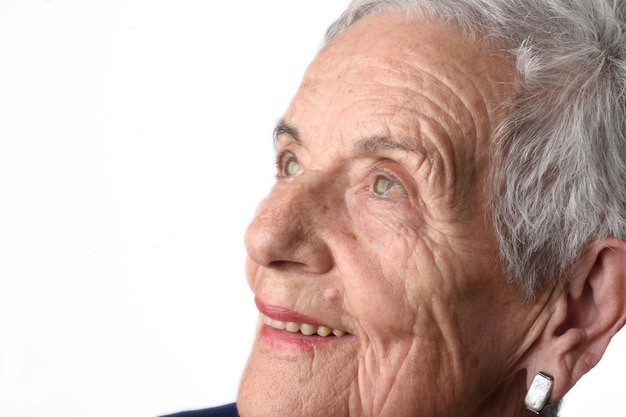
(288, 330)
(305, 329)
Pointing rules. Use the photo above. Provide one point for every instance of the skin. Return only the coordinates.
(411, 273)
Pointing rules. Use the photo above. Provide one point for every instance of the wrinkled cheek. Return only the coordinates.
(390, 292)
(389, 234)
(382, 311)
(401, 379)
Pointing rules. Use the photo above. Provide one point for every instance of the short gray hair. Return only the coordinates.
(559, 178)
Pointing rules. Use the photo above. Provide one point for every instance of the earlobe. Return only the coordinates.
(588, 312)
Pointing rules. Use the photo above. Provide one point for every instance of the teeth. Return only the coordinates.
(338, 333)
(308, 329)
(324, 331)
(292, 327)
(304, 328)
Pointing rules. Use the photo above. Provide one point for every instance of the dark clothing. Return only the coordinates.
(229, 410)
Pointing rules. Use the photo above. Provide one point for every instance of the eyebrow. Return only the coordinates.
(368, 146)
(283, 128)
(375, 144)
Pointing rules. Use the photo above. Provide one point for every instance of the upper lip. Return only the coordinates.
(283, 314)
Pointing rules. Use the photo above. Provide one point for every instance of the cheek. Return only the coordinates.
(394, 224)
(391, 263)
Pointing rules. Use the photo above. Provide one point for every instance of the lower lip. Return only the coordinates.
(284, 340)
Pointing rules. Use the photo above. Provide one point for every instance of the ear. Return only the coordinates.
(588, 311)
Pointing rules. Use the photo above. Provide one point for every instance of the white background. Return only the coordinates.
(135, 143)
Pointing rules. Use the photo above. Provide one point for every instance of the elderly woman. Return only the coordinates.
(446, 236)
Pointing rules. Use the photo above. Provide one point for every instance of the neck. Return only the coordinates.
(506, 401)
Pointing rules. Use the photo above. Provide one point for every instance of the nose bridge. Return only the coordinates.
(318, 190)
(307, 198)
(291, 223)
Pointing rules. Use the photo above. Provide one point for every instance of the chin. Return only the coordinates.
(294, 384)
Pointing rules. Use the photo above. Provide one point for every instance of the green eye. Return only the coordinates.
(382, 186)
(385, 185)
(291, 167)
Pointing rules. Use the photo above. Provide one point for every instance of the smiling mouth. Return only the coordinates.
(302, 328)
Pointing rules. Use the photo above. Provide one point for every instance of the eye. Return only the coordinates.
(292, 167)
(288, 165)
(387, 185)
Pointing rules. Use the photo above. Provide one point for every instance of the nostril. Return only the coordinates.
(280, 264)
(292, 266)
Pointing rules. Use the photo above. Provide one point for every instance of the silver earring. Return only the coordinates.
(538, 393)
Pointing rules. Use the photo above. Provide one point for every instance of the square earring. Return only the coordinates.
(539, 392)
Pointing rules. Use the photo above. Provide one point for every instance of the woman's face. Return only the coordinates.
(378, 229)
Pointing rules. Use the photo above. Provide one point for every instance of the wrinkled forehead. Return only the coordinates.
(462, 62)
(386, 64)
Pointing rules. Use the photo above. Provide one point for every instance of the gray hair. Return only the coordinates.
(559, 178)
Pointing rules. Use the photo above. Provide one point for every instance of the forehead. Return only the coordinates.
(386, 66)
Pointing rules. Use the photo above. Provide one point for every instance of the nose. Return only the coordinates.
(290, 225)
